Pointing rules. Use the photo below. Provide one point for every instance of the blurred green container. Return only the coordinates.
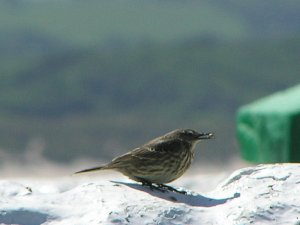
(268, 130)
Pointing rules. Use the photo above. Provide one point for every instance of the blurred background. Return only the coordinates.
(84, 81)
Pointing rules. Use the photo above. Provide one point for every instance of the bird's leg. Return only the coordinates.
(159, 187)
(169, 188)
(150, 185)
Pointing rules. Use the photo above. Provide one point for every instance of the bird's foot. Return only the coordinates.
(160, 187)
(152, 187)
(169, 188)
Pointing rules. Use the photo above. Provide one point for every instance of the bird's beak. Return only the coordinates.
(206, 136)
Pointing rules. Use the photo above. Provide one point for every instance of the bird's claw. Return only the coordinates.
(169, 188)
(162, 187)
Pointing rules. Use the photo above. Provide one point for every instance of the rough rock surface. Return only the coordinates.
(266, 194)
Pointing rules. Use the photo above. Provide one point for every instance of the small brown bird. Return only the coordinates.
(159, 161)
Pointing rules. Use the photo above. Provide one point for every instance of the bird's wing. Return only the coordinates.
(149, 152)
(153, 150)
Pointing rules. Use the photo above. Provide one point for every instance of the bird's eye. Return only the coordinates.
(189, 132)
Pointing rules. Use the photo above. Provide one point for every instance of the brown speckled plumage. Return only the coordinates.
(160, 161)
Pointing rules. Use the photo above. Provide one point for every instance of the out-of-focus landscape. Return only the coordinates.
(84, 81)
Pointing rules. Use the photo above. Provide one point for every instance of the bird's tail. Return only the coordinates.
(93, 169)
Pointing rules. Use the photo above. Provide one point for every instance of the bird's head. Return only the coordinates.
(189, 135)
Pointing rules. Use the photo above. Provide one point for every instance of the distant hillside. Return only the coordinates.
(92, 22)
(99, 102)
(95, 78)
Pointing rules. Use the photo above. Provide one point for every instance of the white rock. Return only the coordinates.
(266, 194)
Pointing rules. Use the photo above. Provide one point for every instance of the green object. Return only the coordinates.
(268, 130)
